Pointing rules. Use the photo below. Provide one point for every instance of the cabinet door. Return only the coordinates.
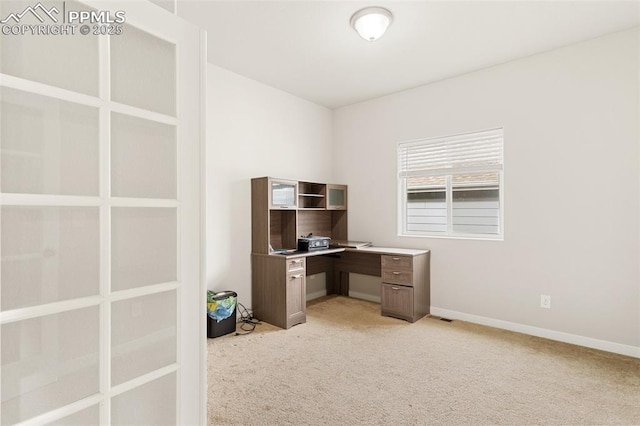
(397, 301)
(283, 194)
(296, 298)
(336, 197)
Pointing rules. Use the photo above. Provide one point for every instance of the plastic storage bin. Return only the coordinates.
(221, 313)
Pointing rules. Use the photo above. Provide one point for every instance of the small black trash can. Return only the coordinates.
(221, 313)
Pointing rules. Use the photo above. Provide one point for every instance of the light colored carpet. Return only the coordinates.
(348, 365)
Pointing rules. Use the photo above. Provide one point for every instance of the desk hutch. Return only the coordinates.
(283, 210)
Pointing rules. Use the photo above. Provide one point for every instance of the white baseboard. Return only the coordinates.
(364, 296)
(316, 294)
(560, 336)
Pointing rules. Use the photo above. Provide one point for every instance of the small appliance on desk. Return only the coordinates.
(311, 243)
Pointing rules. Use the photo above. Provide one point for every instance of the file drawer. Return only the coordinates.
(397, 302)
(397, 277)
(397, 263)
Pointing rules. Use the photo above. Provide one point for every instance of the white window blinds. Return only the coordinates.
(452, 186)
(459, 154)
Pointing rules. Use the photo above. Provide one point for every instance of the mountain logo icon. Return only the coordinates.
(34, 11)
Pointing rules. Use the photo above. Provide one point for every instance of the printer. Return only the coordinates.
(312, 242)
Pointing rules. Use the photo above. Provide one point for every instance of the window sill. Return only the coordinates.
(455, 237)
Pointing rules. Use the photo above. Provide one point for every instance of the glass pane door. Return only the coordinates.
(101, 297)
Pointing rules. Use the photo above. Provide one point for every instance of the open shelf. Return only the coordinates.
(311, 195)
(278, 227)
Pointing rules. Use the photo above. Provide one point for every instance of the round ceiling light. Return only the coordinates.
(371, 22)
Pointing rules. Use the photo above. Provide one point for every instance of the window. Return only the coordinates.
(452, 186)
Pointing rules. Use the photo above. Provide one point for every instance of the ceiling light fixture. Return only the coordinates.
(371, 22)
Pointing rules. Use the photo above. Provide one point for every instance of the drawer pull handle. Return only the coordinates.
(296, 261)
(395, 258)
(396, 273)
(295, 277)
(395, 288)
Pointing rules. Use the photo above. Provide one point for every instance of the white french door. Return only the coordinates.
(101, 295)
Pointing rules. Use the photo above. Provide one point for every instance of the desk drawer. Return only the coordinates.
(397, 263)
(397, 301)
(397, 277)
(295, 264)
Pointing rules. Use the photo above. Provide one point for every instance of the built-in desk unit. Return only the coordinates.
(283, 210)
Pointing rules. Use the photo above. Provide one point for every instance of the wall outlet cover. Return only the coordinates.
(545, 301)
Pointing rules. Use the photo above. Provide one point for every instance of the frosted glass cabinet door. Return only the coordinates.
(49, 254)
(66, 61)
(283, 194)
(143, 158)
(48, 362)
(337, 197)
(48, 146)
(143, 71)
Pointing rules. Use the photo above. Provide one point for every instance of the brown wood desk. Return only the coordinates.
(279, 281)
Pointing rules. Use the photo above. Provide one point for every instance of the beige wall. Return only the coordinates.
(570, 119)
(253, 130)
(571, 185)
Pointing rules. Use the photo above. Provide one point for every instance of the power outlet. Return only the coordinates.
(545, 301)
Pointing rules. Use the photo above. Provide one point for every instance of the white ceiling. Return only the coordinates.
(308, 49)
